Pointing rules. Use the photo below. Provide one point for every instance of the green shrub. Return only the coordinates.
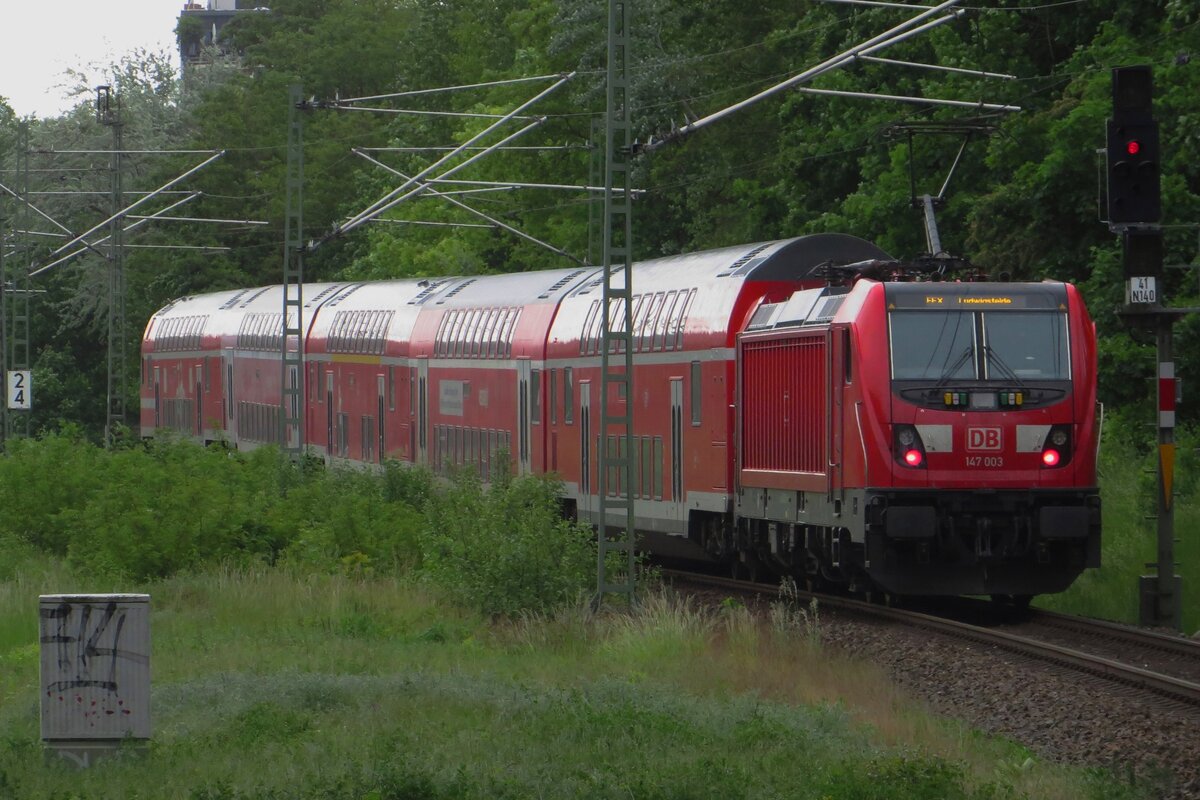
(40, 479)
(150, 510)
(506, 549)
(351, 521)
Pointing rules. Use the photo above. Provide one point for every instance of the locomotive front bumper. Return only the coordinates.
(1018, 542)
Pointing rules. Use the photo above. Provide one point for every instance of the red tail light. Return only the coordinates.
(1056, 450)
(907, 446)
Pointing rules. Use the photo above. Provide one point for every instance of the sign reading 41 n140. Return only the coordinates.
(20, 389)
(1141, 291)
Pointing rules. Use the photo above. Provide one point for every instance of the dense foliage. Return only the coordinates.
(506, 548)
(148, 513)
(1022, 201)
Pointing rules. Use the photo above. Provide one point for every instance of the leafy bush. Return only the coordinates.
(149, 511)
(352, 521)
(39, 480)
(506, 548)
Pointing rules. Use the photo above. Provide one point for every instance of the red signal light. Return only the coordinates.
(1133, 147)
(913, 457)
(1051, 458)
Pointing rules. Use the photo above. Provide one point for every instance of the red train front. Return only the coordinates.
(922, 438)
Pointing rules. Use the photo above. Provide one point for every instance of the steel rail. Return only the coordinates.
(1178, 645)
(1173, 688)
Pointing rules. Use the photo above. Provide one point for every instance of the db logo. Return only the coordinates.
(984, 439)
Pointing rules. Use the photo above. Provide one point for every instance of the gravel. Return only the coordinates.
(1059, 714)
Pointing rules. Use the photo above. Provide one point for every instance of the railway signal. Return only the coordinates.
(1134, 212)
(1134, 183)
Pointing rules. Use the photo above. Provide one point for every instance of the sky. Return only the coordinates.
(44, 38)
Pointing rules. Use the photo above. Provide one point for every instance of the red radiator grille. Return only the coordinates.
(784, 404)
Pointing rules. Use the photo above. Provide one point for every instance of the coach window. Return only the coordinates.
(675, 307)
(683, 312)
(641, 305)
(452, 332)
(553, 396)
(535, 388)
(568, 395)
(439, 340)
(479, 345)
(655, 324)
(496, 335)
(503, 331)
(641, 311)
(391, 392)
(458, 332)
(462, 343)
(660, 325)
(585, 333)
(470, 348)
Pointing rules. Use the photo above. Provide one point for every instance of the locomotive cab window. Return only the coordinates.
(1025, 345)
(933, 345)
(955, 346)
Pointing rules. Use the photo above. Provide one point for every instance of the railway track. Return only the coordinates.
(1117, 653)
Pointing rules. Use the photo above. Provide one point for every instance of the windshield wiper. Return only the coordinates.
(994, 358)
(948, 373)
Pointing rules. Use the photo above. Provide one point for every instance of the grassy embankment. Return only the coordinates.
(332, 647)
(1129, 486)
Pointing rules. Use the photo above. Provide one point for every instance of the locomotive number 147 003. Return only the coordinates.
(985, 461)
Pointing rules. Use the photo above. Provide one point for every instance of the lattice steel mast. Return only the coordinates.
(108, 113)
(616, 455)
(291, 379)
(16, 279)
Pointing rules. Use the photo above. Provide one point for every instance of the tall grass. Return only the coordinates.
(304, 647)
(274, 683)
(1129, 491)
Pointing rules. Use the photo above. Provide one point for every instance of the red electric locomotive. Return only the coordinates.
(930, 437)
(920, 438)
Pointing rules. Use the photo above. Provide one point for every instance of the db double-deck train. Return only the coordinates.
(912, 437)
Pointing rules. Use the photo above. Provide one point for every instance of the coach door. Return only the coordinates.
(157, 398)
(380, 405)
(230, 397)
(422, 410)
(330, 442)
(198, 380)
(524, 413)
(837, 349)
(586, 500)
(675, 505)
